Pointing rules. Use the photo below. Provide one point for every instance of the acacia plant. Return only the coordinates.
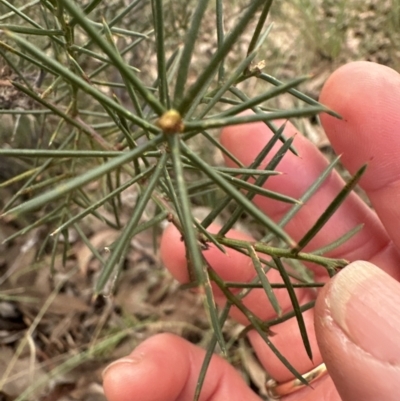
(71, 69)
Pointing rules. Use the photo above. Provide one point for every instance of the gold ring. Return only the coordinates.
(278, 390)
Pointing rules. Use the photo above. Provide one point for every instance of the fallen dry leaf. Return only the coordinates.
(99, 241)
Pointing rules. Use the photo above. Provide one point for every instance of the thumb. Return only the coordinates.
(357, 321)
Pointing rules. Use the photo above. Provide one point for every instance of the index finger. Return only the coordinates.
(367, 96)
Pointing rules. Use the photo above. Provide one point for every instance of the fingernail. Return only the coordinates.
(364, 302)
(134, 360)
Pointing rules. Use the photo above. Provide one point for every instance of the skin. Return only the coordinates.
(355, 326)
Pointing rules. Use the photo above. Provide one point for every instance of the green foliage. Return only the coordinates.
(108, 119)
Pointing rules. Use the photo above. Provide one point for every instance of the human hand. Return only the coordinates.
(357, 318)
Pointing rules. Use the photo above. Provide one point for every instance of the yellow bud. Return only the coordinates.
(171, 122)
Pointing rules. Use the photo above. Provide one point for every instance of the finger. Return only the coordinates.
(234, 266)
(369, 245)
(357, 322)
(230, 266)
(287, 339)
(367, 95)
(300, 173)
(166, 368)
